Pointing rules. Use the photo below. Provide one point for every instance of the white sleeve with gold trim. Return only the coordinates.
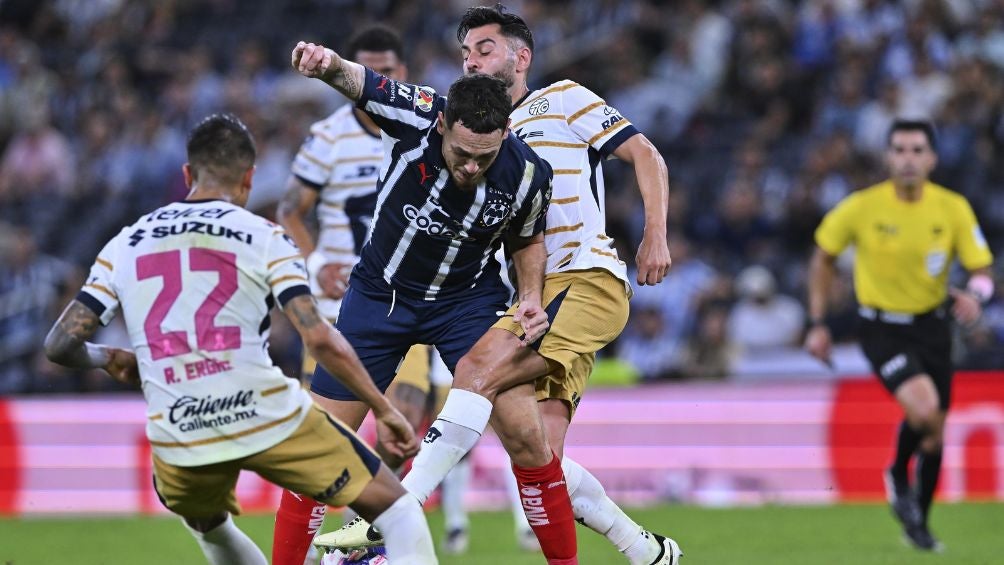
(286, 268)
(315, 159)
(99, 291)
(588, 116)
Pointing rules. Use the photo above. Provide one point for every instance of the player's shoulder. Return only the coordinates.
(515, 155)
(870, 194)
(516, 150)
(338, 122)
(946, 196)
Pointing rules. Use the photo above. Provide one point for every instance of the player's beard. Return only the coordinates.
(507, 74)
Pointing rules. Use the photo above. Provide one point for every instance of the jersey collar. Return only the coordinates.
(523, 99)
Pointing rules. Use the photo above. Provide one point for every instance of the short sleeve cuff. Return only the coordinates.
(615, 141)
(291, 293)
(103, 312)
(318, 186)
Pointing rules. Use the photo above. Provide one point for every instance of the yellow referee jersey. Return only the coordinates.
(904, 249)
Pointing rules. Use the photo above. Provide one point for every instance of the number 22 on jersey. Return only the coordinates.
(209, 337)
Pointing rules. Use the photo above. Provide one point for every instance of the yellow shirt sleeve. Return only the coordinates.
(971, 246)
(837, 229)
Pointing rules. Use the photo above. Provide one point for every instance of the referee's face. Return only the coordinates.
(911, 158)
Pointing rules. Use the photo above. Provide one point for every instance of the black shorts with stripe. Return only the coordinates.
(899, 347)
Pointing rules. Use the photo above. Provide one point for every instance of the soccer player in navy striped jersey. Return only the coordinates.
(455, 186)
(334, 176)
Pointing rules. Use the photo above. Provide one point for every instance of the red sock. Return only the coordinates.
(297, 520)
(549, 510)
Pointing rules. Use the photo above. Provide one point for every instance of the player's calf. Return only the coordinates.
(222, 542)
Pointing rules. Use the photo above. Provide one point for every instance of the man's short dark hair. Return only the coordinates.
(511, 25)
(914, 125)
(376, 39)
(480, 102)
(222, 147)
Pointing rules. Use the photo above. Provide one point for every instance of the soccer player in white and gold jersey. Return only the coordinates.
(536, 389)
(195, 281)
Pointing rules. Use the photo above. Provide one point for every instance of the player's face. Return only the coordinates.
(911, 158)
(467, 154)
(486, 51)
(383, 62)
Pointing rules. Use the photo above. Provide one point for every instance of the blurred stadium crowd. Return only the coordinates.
(768, 112)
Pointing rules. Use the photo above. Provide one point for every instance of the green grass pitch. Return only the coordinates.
(844, 534)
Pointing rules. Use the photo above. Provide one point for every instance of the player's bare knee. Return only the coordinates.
(925, 416)
(471, 376)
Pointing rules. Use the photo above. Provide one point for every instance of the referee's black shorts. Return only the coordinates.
(901, 346)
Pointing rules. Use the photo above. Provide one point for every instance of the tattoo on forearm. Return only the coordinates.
(67, 341)
(305, 310)
(290, 203)
(352, 88)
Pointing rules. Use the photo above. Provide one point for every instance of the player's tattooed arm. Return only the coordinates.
(294, 207)
(317, 61)
(67, 344)
(302, 311)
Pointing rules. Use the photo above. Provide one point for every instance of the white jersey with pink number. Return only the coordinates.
(195, 281)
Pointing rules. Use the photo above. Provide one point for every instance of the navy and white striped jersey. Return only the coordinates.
(430, 239)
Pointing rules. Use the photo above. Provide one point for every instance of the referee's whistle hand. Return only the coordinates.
(819, 343)
(965, 308)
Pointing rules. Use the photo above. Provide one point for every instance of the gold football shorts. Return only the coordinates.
(587, 310)
(322, 459)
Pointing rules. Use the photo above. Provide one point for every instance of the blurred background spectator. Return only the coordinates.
(768, 112)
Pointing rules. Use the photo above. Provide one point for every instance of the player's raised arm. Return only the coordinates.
(317, 61)
(334, 353)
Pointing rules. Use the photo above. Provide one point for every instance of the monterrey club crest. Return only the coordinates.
(539, 106)
(495, 211)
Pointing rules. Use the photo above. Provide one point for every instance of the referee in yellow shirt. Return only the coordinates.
(906, 232)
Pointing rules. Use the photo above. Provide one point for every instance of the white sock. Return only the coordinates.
(591, 504)
(406, 533)
(515, 501)
(348, 515)
(456, 430)
(226, 544)
(454, 486)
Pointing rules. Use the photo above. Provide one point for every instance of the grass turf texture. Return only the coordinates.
(860, 534)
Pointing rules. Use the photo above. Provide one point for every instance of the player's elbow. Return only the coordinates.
(56, 347)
